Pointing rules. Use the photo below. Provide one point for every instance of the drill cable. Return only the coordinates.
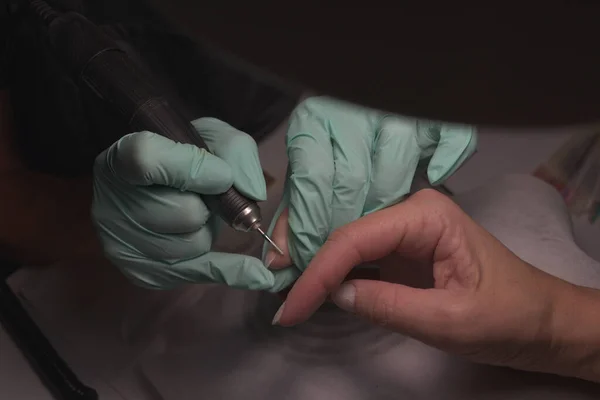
(44, 11)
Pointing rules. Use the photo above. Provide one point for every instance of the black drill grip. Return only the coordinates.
(112, 75)
(155, 115)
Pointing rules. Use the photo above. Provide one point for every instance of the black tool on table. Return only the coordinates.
(46, 362)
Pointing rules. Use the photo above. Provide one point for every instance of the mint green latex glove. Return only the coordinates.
(346, 161)
(150, 217)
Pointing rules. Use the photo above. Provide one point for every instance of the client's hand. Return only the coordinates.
(485, 304)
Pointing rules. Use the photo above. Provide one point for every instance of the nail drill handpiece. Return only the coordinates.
(99, 64)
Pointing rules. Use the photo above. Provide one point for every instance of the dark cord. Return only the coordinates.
(43, 10)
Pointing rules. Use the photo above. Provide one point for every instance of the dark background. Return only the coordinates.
(532, 63)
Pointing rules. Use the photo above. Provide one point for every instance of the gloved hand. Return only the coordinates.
(150, 217)
(346, 161)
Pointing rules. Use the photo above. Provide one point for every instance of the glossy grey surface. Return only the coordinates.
(217, 343)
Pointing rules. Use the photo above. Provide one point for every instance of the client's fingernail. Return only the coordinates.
(345, 296)
(269, 258)
(278, 315)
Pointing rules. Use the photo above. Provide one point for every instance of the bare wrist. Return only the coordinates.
(575, 332)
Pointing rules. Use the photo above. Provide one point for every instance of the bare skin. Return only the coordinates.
(483, 302)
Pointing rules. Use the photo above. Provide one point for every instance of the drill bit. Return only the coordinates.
(271, 242)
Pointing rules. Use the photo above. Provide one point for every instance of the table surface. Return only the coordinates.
(18, 381)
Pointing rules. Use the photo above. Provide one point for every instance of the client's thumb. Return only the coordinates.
(404, 309)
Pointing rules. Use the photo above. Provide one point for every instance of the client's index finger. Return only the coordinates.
(367, 239)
